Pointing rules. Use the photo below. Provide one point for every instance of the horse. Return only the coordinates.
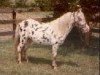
(51, 33)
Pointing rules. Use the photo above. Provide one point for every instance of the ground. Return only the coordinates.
(72, 58)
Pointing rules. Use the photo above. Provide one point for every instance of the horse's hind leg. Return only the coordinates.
(24, 55)
(24, 52)
(20, 49)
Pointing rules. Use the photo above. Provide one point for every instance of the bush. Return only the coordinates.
(44, 5)
(5, 3)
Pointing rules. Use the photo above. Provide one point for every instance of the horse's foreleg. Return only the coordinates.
(19, 53)
(54, 53)
(19, 58)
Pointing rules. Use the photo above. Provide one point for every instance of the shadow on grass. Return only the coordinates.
(75, 46)
(36, 60)
(41, 46)
(94, 48)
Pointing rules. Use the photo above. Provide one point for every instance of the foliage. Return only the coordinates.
(44, 4)
(21, 3)
(73, 4)
(5, 3)
(49, 4)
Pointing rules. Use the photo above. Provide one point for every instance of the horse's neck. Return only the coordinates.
(63, 25)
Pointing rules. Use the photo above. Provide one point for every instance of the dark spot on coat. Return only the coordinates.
(20, 29)
(20, 47)
(40, 42)
(35, 25)
(22, 41)
(34, 38)
(48, 40)
(32, 32)
(32, 26)
(24, 30)
(52, 32)
(79, 19)
(54, 36)
(56, 43)
(25, 23)
(45, 29)
(45, 38)
(23, 35)
(37, 28)
(60, 37)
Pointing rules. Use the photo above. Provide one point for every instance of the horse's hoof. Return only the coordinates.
(19, 62)
(55, 68)
(27, 61)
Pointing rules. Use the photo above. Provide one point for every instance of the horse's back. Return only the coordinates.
(29, 22)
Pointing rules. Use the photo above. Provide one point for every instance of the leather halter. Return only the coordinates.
(76, 23)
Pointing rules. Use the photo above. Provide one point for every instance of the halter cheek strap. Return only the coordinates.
(75, 22)
(86, 29)
(82, 26)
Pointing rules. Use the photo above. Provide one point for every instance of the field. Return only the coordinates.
(71, 60)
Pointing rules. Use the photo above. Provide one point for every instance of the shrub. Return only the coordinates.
(5, 3)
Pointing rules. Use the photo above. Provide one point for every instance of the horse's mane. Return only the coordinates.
(63, 17)
(60, 24)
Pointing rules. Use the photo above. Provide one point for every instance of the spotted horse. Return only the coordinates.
(51, 33)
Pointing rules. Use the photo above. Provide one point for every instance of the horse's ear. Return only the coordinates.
(79, 9)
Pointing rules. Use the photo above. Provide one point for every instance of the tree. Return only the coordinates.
(5, 3)
(21, 3)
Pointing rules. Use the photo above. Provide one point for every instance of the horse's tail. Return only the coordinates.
(17, 38)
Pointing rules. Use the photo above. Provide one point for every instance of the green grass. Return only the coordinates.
(71, 61)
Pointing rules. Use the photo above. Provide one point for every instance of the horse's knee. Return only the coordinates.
(54, 50)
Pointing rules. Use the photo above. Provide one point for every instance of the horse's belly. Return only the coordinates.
(40, 40)
(42, 36)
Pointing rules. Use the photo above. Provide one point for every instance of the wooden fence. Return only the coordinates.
(13, 21)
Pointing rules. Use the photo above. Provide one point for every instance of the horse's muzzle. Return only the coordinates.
(86, 29)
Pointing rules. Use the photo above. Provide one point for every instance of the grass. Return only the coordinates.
(71, 61)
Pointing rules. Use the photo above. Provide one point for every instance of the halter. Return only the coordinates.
(75, 22)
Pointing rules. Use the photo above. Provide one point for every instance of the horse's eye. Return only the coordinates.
(79, 19)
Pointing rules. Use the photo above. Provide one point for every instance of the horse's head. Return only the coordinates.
(80, 21)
